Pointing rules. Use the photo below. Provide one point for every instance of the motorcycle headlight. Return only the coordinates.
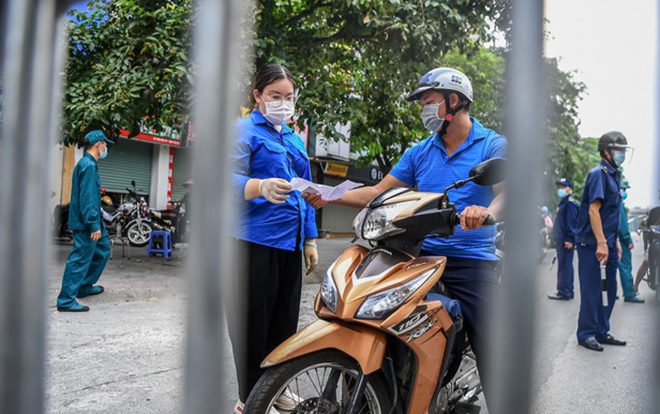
(381, 305)
(377, 223)
(329, 290)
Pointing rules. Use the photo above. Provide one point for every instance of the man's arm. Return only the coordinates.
(602, 252)
(359, 197)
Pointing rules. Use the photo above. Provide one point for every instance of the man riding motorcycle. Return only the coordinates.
(458, 142)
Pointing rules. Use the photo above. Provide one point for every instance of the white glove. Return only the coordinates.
(311, 256)
(274, 190)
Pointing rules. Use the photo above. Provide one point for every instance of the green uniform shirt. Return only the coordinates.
(85, 209)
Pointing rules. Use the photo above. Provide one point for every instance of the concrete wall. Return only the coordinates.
(160, 165)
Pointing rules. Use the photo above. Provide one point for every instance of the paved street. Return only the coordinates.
(126, 354)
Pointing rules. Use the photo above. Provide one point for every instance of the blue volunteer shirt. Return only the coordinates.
(603, 183)
(262, 152)
(566, 221)
(428, 166)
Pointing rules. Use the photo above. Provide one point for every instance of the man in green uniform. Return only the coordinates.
(625, 264)
(91, 247)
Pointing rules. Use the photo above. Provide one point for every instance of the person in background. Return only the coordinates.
(625, 264)
(547, 220)
(91, 246)
(564, 237)
(598, 224)
(277, 229)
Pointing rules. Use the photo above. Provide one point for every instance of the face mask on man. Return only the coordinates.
(561, 192)
(624, 194)
(277, 112)
(618, 157)
(103, 153)
(432, 122)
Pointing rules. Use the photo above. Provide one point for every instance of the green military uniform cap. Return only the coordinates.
(96, 136)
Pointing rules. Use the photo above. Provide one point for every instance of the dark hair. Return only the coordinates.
(270, 73)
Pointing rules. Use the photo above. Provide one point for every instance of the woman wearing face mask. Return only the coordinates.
(276, 228)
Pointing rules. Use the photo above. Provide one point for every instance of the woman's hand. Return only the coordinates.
(274, 190)
(315, 200)
(311, 255)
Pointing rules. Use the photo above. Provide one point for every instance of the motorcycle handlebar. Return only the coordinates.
(490, 221)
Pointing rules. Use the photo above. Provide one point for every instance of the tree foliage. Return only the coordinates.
(128, 63)
(358, 59)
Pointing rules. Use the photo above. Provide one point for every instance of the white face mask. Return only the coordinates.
(430, 118)
(277, 112)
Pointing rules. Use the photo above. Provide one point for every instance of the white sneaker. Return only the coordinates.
(287, 401)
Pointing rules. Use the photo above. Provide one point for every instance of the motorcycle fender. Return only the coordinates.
(365, 345)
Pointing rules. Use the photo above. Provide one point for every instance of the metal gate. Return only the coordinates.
(31, 56)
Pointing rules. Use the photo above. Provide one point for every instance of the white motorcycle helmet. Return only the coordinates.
(443, 80)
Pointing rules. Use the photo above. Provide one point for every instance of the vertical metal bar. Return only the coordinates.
(511, 353)
(217, 44)
(654, 389)
(27, 130)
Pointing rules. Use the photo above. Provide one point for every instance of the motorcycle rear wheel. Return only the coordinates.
(308, 376)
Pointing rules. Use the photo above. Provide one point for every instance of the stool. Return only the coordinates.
(165, 243)
(125, 245)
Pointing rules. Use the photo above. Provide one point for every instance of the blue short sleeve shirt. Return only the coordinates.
(603, 183)
(263, 152)
(428, 166)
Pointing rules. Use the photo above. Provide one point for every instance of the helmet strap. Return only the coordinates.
(450, 112)
(610, 157)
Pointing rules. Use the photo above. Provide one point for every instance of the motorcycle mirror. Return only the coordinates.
(488, 172)
(133, 183)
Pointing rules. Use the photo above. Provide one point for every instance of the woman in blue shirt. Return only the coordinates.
(275, 228)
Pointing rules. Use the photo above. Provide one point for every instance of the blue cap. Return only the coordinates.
(96, 136)
(565, 181)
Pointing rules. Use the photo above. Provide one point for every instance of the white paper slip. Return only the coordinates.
(327, 192)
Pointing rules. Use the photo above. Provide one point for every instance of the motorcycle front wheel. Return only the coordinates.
(139, 234)
(320, 383)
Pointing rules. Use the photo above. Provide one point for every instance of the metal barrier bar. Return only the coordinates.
(654, 389)
(512, 333)
(212, 260)
(28, 134)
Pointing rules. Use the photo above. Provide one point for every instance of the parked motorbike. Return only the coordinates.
(175, 220)
(138, 230)
(61, 221)
(385, 341)
(61, 216)
(653, 232)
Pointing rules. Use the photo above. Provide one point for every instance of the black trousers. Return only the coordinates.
(474, 284)
(267, 313)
